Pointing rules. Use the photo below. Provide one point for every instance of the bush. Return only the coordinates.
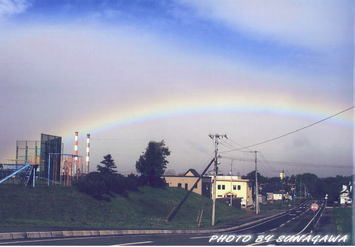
(93, 184)
(101, 185)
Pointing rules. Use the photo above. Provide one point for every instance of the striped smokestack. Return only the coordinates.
(87, 152)
(76, 151)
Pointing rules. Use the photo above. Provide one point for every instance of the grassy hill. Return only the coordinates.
(66, 207)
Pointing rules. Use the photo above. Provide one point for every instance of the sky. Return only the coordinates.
(133, 71)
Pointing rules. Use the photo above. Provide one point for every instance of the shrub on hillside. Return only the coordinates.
(101, 185)
(93, 184)
(107, 182)
(133, 182)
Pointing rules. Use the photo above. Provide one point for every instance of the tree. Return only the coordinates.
(152, 164)
(251, 176)
(109, 165)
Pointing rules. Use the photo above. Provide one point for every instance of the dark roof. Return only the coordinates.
(193, 171)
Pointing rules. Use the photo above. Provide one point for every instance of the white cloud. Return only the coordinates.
(12, 7)
(316, 24)
(63, 77)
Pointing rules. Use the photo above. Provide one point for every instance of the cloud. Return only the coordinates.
(63, 77)
(12, 7)
(315, 24)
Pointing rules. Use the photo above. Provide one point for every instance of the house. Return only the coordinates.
(278, 196)
(269, 196)
(262, 199)
(345, 193)
(235, 187)
(226, 186)
(187, 181)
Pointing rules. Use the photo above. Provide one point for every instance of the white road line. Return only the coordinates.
(274, 229)
(258, 224)
(288, 221)
(200, 237)
(309, 222)
(134, 243)
(54, 239)
(282, 225)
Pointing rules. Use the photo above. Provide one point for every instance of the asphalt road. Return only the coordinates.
(300, 220)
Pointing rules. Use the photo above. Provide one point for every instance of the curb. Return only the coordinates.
(86, 233)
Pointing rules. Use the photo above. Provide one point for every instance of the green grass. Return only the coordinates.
(343, 219)
(66, 207)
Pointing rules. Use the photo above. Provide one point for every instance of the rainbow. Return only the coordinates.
(242, 103)
(193, 105)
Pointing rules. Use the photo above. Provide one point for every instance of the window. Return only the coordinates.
(234, 187)
(195, 186)
(219, 195)
(219, 186)
(238, 187)
(186, 186)
(179, 185)
(223, 187)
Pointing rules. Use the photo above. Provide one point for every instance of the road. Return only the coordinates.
(299, 220)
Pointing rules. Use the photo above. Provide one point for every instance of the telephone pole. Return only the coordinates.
(257, 209)
(231, 195)
(215, 139)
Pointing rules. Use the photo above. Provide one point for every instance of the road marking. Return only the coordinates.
(282, 225)
(263, 222)
(274, 229)
(54, 239)
(134, 243)
(200, 237)
(309, 222)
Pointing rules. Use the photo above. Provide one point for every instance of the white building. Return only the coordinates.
(345, 195)
(235, 187)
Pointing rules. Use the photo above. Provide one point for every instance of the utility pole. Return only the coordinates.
(256, 184)
(231, 195)
(215, 139)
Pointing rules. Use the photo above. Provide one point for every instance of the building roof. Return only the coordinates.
(193, 171)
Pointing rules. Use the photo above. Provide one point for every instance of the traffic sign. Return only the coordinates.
(314, 207)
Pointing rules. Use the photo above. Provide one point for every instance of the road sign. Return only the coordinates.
(314, 207)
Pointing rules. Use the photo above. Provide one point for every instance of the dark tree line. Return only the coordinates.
(303, 183)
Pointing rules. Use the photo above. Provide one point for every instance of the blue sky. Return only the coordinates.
(100, 58)
(180, 23)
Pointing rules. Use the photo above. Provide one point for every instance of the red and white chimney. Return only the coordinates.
(87, 153)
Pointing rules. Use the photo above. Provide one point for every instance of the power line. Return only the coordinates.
(289, 133)
(289, 163)
(106, 139)
(226, 144)
(236, 143)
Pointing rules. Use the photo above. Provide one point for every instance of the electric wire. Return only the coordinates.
(291, 163)
(289, 133)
